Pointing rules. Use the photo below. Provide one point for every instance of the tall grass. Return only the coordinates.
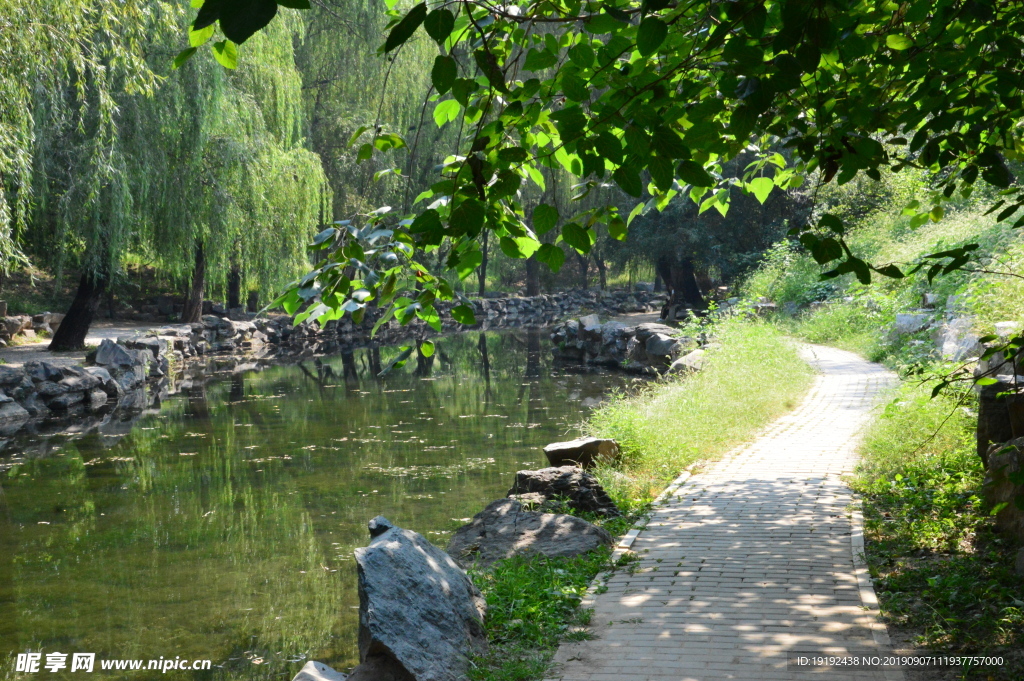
(752, 377)
(941, 573)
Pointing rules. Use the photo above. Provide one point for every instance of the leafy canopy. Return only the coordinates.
(655, 96)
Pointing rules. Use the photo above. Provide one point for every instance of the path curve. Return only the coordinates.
(754, 561)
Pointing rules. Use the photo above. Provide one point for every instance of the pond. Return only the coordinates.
(222, 527)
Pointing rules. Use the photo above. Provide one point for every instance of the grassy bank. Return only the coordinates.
(944, 578)
(754, 376)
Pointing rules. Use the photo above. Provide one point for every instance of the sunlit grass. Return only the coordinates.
(941, 572)
(754, 376)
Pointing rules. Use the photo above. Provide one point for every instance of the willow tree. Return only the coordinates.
(64, 63)
(201, 172)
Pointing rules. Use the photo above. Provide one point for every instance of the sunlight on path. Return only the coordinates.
(749, 564)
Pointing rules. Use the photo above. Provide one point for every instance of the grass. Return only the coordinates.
(754, 376)
(945, 580)
(533, 605)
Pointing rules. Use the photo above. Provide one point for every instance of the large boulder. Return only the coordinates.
(1005, 464)
(110, 354)
(583, 452)
(505, 529)
(420, 617)
(580, 490)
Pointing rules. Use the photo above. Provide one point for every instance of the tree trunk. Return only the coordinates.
(193, 310)
(602, 271)
(482, 270)
(532, 277)
(681, 281)
(71, 333)
(234, 287)
(584, 263)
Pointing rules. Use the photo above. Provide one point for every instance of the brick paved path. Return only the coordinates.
(750, 563)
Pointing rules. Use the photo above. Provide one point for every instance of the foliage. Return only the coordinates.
(532, 604)
(659, 97)
(674, 424)
(941, 572)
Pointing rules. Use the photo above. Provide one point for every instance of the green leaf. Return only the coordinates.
(427, 348)
(183, 57)
(406, 27)
(537, 60)
(489, 66)
(897, 41)
(468, 217)
(519, 247)
(226, 53)
(693, 173)
(446, 112)
(468, 262)
(239, 19)
(197, 38)
(576, 236)
(550, 255)
(617, 228)
(365, 152)
(660, 168)
(439, 24)
(428, 314)
(545, 218)
(463, 314)
(444, 73)
(650, 35)
(761, 187)
(628, 180)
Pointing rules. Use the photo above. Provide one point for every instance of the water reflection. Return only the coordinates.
(223, 526)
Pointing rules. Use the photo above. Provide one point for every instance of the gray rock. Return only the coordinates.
(110, 354)
(106, 382)
(659, 345)
(583, 452)
(505, 529)
(648, 329)
(379, 525)
(417, 608)
(691, 361)
(97, 399)
(580, 489)
(50, 389)
(1007, 330)
(43, 371)
(957, 340)
(590, 320)
(5, 398)
(910, 322)
(66, 401)
(10, 375)
(12, 411)
(318, 671)
(1004, 459)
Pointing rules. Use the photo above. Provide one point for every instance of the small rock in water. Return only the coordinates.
(318, 671)
(379, 525)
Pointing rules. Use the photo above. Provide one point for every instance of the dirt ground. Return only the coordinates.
(19, 354)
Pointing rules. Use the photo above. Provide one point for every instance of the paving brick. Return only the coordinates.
(755, 557)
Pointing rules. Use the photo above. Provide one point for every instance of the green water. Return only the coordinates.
(223, 527)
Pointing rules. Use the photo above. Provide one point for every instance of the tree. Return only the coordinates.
(626, 91)
(204, 171)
